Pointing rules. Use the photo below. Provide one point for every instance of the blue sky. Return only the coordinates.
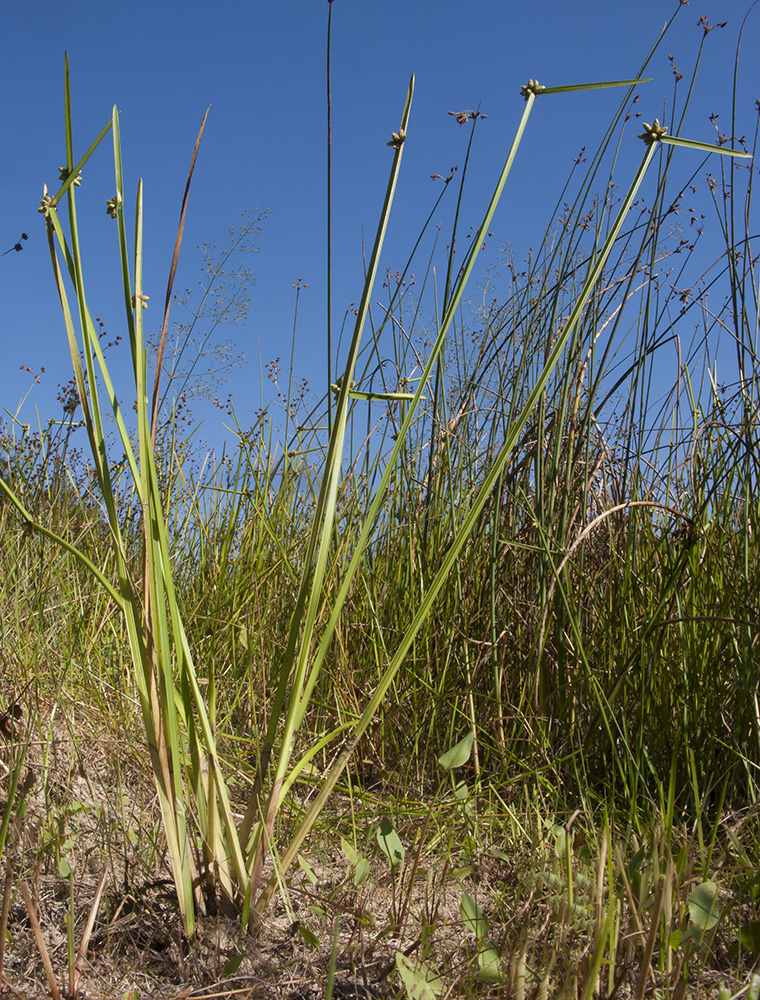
(261, 68)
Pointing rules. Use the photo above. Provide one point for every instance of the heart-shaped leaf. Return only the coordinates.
(749, 936)
(703, 906)
(489, 970)
(389, 842)
(306, 868)
(459, 754)
(473, 917)
(348, 850)
(419, 982)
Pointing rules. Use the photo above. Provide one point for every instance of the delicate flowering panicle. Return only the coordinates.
(16, 246)
(707, 27)
(654, 132)
(397, 139)
(462, 117)
(46, 202)
(531, 87)
(63, 175)
(676, 74)
(112, 206)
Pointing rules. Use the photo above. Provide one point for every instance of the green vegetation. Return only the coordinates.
(480, 624)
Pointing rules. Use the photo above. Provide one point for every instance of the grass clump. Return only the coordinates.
(490, 606)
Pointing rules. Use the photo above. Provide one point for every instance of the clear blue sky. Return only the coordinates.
(261, 68)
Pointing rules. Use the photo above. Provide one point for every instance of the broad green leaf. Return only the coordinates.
(692, 933)
(489, 970)
(360, 863)
(462, 791)
(419, 982)
(348, 850)
(703, 906)
(464, 872)
(561, 840)
(473, 917)
(749, 936)
(233, 965)
(389, 843)
(362, 871)
(311, 875)
(308, 936)
(459, 754)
